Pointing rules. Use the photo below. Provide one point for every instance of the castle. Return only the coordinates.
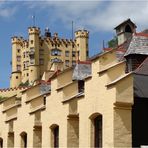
(32, 57)
(59, 97)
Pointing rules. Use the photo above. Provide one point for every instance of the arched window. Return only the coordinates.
(55, 52)
(55, 136)
(96, 130)
(128, 29)
(1, 143)
(23, 140)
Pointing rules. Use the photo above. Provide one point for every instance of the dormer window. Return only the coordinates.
(55, 52)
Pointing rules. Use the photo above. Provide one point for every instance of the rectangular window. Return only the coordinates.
(73, 63)
(67, 53)
(18, 67)
(67, 63)
(27, 63)
(18, 58)
(27, 53)
(78, 53)
(73, 53)
(32, 49)
(32, 61)
(24, 65)
(18, 50)
(24, 54)
(31, 41)
(81, 86)
(56, 60)
(41, 61)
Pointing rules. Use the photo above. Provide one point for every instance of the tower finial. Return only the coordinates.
(33, 19)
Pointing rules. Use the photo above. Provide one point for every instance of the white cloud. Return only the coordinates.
(96, 15)
(6, 10)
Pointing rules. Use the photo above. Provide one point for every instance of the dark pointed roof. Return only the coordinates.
(124, 22)
(143, 68)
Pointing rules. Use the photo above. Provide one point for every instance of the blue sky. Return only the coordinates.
(98, 17)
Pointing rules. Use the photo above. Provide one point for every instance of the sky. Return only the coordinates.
(98, 17)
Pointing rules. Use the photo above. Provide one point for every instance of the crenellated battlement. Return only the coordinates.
(13, 89)
(8, 92)
(34, 30)
(82, 33)
(32, 56)
(58, 41)
(17, 40)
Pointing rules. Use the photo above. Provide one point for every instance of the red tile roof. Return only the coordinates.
(107, 49)
(141, 34)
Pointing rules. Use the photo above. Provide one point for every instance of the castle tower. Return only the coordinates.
(16, 61)
(125, 30)
(34, 33)
(81, 37)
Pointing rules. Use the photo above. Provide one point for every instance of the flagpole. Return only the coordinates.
(33, 19)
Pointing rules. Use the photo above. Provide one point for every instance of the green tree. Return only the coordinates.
(113, 42)
(24, 84)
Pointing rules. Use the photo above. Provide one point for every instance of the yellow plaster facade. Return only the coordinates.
(32, 57)
(86, 105)
(108, 92)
